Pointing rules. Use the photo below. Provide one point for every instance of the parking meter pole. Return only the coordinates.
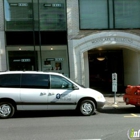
(115, 98)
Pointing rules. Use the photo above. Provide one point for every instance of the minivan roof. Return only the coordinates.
(35, 72)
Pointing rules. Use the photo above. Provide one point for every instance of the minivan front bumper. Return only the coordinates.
(100, 104)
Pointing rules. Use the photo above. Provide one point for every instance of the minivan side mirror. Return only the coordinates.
(75, 87)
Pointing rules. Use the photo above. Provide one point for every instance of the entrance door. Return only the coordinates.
(22, 60)
(101, 66)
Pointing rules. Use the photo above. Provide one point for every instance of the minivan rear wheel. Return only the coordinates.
(87, 107)
(6, 110)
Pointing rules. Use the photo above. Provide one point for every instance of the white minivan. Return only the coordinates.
(32, 90)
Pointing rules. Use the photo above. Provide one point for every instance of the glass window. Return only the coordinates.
(35, 81)
(18, 15)
(35, 15)
(109, 14)
(10, 80)
(57, 57)
(127, 13)
(52, 15)
(19, 38)
(93, 14)
(58, 82)
(22, 60)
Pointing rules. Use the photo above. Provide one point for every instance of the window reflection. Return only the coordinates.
(35, 15)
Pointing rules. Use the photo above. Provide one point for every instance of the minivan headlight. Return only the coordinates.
(100, 96)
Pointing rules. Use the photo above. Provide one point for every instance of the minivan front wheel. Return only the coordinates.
(6, 110)
(87, 107)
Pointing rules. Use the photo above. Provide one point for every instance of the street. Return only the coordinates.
(110, 123)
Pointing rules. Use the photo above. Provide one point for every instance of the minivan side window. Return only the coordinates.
(58, 82)
(10, 80)
(35, 81)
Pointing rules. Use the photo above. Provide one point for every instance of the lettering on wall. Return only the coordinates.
(118, 39)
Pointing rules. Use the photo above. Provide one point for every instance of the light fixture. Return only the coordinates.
(51, 48)
(100, 58)
(19, 49)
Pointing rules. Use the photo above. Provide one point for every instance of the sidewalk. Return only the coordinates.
(111, 100)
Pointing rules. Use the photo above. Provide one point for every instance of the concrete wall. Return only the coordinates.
(1, 16)
(3, 66)
(72, 17)
(131, 67)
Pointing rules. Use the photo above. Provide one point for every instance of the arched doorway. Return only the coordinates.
(107, 40)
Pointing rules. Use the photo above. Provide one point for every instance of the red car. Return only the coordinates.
(132, 95)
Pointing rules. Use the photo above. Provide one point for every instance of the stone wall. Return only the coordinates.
(1, 16)
(72, 18)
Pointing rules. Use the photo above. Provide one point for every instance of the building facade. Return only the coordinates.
(35, 35)
(87, 40)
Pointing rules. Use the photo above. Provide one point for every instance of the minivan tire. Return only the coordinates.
(7, 110)
(87, 107)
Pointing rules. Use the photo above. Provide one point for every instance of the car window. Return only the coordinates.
(58, 82)
(35, 81)
(10, 80)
